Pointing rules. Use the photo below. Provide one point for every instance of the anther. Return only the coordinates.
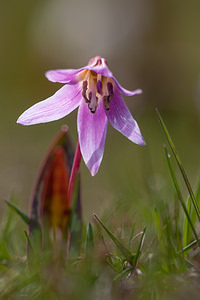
(106, 102)
(84, 86)
(99, 87)
(93, 103)
(110, 90)
(90, 97)
(92, 109)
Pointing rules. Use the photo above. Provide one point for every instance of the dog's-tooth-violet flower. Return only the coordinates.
(98, 94)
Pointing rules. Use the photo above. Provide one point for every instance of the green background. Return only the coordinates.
(152, 45)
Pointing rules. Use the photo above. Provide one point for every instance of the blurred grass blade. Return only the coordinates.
(139, 250)
(186, 225)
(178, 234)
(179, 194)
(24, 217)
(122, 274)
(190, 246)
(75, 224)
(28, 240)
(159, 229)
(89, 241)
(187, 234)
(127, 254)
(131, 235)
(179, 164)
(162, 240)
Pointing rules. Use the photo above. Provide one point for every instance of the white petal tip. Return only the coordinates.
(93, 168)
(19, 121)
(93, 171)
(138, 92)
(137, 138)
(49, 77)
(143, 143)
(22, 120)
(140, 141)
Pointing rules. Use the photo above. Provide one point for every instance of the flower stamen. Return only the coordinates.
(99, 84)
(92, 98)
(85, 84)
(99, 87)
(106, 102)
(110, 90)
(93, 102)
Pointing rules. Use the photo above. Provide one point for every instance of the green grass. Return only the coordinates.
(117, 258)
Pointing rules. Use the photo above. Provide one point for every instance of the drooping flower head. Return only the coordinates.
(98, 94)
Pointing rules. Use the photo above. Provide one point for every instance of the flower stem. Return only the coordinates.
(74, 172)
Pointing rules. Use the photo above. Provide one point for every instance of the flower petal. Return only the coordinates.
(62, 76)
(121, 119)
(125, 91)
(53, 108)
(99, 65)
(101, 69)
(92, 129)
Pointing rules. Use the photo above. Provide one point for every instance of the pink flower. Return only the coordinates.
(98, 94)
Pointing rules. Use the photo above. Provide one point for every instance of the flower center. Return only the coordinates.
(97, 88)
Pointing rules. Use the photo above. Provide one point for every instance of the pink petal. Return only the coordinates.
(62, 76)
(53, 108)
(101, 69)
(92, 129)
(121, 119)
(125, 91)
(99, 65)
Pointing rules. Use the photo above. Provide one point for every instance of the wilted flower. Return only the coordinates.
(97, 92)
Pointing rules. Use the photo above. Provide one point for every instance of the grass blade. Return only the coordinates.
(159, 229)
(131, 235)
(187, 230)
(28, 240)
(179, 164)
(89, 242)
(190, 246)
(186, 225)
(180, 195)
(127, 254)
(138, 253)
(24, 217)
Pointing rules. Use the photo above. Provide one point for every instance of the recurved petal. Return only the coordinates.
(92, 129)
(125, 91)
(121, 119)
(62, 75)
(53, 108)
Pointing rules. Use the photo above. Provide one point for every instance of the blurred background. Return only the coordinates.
(149, 44)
